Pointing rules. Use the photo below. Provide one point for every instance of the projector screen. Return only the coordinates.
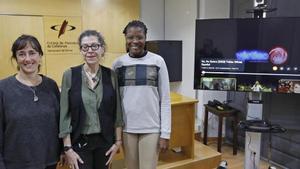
(260, 55)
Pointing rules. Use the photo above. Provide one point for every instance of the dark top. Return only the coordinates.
(91, 98)
(28, 128)
(106, 111)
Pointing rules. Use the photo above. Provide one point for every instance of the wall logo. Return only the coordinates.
(62, 28)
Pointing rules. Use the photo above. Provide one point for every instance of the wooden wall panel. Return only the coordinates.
(107, 16)
(57, 64)
(57, 60)
(11, 28)
(110, 17)
(41, 7)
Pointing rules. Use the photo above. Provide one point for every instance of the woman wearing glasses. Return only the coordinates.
(90, 116)
(29, 112)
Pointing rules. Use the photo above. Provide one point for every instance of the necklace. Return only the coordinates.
(26, 87)
(93, 77)
(35, 97)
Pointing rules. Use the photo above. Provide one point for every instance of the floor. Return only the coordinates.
(235, 161)
(205, 158)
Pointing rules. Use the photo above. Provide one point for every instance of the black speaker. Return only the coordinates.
(171, 51)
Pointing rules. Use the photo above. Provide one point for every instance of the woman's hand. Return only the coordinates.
(163, 145)
(112, 151)
(72, 159)
(62, 160)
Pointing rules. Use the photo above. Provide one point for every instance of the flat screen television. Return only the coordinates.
(250, 54)
(171, 51)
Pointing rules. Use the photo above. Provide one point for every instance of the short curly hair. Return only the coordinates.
(135, 23)
(92, 33)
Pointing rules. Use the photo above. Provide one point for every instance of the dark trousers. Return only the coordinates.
(91, 149)
(51, 167)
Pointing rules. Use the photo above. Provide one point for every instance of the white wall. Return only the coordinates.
(214, 9)
(180, 19)
(153, 15)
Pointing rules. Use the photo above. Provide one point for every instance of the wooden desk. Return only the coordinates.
(183, 123)
(221, 114)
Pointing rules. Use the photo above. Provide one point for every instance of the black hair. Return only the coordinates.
(135, 23)
(21, 42)
(92, 33)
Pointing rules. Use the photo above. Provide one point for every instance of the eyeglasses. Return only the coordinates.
(94, 47)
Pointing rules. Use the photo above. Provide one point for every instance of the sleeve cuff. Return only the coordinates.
(165, 135)
(63, 134)
(119, 124)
